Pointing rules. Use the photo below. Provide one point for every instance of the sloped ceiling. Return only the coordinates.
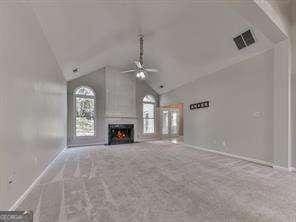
(183, 40)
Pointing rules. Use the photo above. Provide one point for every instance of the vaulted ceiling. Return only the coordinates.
(183, 39)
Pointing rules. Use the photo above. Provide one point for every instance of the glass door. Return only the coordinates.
(165, 123)
(174, 123)
(170, 122)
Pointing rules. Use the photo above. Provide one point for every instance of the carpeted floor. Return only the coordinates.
(160, 182)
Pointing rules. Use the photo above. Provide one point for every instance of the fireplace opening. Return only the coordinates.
(120, 133)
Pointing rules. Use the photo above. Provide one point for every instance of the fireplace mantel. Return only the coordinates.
(124, 117)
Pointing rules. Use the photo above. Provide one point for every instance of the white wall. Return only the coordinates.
(240, 119)
(282, 105)
(32, 103)
(120, 94)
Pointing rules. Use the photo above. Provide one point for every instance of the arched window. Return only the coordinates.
(148, 114)
(85, 111)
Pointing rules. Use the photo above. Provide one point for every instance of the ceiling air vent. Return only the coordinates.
(75, 70)
(245, 39)
(239, 42)
(248, 37)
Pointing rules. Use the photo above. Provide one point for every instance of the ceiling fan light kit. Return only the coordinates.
(141, 75)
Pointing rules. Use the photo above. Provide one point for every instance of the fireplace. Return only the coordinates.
(120, 133)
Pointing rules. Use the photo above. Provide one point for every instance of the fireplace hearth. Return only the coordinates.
(120, 133)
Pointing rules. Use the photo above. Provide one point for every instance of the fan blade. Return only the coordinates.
(128, 71)
(138, 64)
(151, 70)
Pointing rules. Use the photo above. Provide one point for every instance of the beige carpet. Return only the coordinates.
(160, 182)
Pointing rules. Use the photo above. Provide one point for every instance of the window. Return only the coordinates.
(148, 114)
(84, 98)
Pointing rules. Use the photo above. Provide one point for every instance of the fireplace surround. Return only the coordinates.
(120, 133)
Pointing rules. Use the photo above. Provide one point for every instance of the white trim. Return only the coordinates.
(262, 162)
(35, 182)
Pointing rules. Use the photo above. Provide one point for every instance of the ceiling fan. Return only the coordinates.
(141, 71)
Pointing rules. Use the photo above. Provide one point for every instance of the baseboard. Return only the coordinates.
(280, 168)
(292, 169)
(86, 144)
(35, 182)
(147, 139)
(262, 162)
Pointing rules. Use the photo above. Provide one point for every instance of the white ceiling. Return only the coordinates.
(183, 40)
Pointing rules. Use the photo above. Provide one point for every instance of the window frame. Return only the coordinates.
(154, 114)
(75, 108)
